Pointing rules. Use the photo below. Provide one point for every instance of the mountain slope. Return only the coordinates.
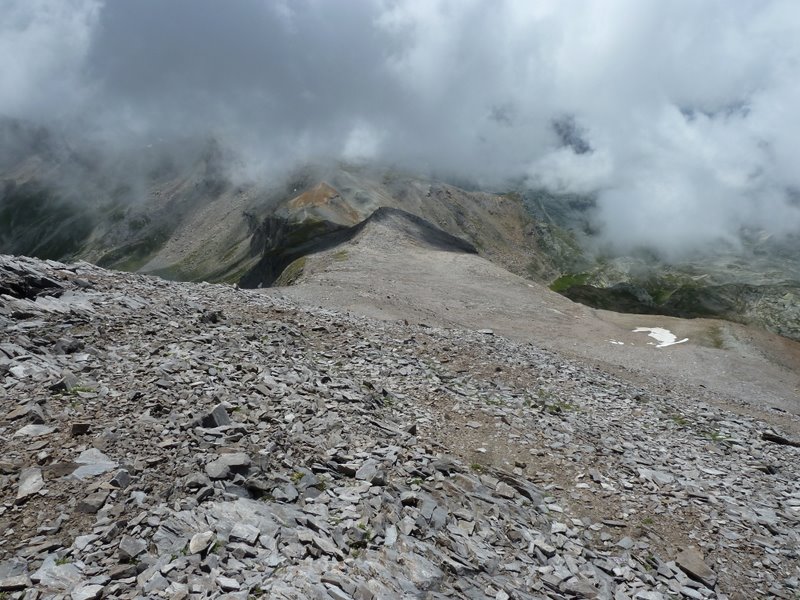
(385, 272)
(163, 439)
(179, 214)
(753, 280)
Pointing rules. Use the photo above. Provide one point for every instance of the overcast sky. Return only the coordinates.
(683, 115)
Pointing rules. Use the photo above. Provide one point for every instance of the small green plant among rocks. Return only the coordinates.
(558, 407)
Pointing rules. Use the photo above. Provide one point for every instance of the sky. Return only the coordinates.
(682, 117)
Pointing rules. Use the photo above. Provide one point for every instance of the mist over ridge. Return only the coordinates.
(681, 117)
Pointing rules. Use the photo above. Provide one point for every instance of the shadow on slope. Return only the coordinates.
(285, 242)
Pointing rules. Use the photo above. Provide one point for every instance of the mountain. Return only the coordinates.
(180, 214)
(754, 280)
(187, 219)
(165, 438)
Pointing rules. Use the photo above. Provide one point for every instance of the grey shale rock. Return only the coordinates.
(291, 451)
(30, 483)
(14, 583)
(200, 542)
(92, 462)
(90, 591)
(692, 562)
(34, 431)
(93, 502)
(130, 548)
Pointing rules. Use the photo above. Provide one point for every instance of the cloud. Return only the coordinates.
(43, 45)
(682, 114)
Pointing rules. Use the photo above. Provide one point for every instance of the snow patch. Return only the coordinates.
(664, 337)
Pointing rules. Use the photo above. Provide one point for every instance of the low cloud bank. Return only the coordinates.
(681, 116)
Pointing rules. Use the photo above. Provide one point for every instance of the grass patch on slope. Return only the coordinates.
(567, 281)
(291, 273)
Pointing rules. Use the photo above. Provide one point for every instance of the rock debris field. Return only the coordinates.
(175, 440)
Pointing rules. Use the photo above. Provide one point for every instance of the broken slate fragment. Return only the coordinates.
(200, 542)
(14, 583)
(31, 410)
(30, 483)
(93, 502)
(34, 431)
(93, 462)
(79, 429)
(691, 561)
(243, 532)
(216, 418)
(89, 591)
(130, 548)
(67, 383)
(57, 576)
(368, 470)
(121, 479)
(658, 477)
(222, 467)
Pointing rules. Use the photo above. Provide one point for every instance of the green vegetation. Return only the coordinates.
(133, 256)
(81, 389)
(715, 337)
(567, 281)
(340, 256)
(35, 222)
(230, 253)
(559, 407)
(478, 467)
(291, 273)
(679, 421)
(138, 223)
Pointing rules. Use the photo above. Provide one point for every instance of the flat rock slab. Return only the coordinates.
(93, 502)
(14, 583)
(93, 462)
(30, 483)
(130, 548)
(200, 542)
(691, 562)
(87, 592)
(34, 431)
(57, 577)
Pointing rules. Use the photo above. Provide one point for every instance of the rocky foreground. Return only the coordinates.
(170, 440)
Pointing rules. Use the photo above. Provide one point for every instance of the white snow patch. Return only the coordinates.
(618, 343)
(664, 337)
